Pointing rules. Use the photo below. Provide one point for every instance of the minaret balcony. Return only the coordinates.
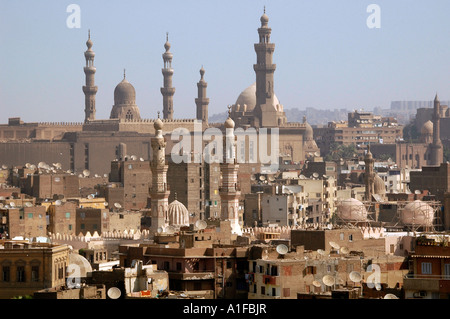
(264, 67)
(90, 69)
(90, 89)
(168, 91)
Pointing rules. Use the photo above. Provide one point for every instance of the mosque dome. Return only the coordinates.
(248, 98)
(309, 133)
(229, 123)
(264, 19)
(427, 128)
(417, 213)
(158, 125)
(83, 265)
(351, 209)
(124, 93)
(378, 185)
(178, 214)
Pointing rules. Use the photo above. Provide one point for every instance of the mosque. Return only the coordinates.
(95, 142)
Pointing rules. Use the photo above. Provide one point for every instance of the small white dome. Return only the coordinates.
(417, 213)
(178, 214)
(352, 209)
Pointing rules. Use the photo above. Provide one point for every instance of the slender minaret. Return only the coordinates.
(89, 89)
(264, 69)
(369, 177)
(159, 192)
(437, 150)
(202, 101)
(229, 191)
(167, 91)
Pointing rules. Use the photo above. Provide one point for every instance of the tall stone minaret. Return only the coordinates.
(167, 90)
(264, 68)
(229, 191)
(369, 177)
(202, 101)
(89, 89)
(437, 150)
(159, 192)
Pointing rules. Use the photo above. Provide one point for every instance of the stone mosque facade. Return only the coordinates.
(94, 143)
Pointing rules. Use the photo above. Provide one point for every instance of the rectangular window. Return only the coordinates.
(263, 290)
(30, 215)
(82, 226)
(6, 273)
(392, 248)
(20, 273)
(447, 270)
(70, 227)
(67, 215)
(426, 268)
(35, 273)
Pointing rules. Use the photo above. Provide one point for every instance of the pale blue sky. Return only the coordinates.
(326, 55)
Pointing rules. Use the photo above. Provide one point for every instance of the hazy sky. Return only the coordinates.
(326, 55)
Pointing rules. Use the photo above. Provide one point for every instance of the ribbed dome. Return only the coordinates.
(378, 185)
(124, 93)
(427, 128)
(248, 98)
(178, 214)
(309, 133)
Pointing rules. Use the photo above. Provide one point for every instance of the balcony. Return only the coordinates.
(193, 275)
(432, 283)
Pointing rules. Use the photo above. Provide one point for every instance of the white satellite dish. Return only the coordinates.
(27, 165)
(200, 224)
(117, 205)
(90, 196)
(330, 226)
(262, 178)
(321, 252)
(41, 164)
(1, 205)
(317, 154)
(114, 293)
(253, 178)
(302, 176)
(32, 166)
(390, 296)
(86, 173)
(96, 175)
(4, 166)
(334, 245)
(28, 204)
(58, 202)
(141, 159)
(58, 165)
(328, 280)
(105, 203)
(170, 230)
(315, 175)
(160, 230)
(133, 157)
(282, 249)
(271, 178)
(417, 192)
(344, 250)
(355, 276)
(12, 204)
(316, 284)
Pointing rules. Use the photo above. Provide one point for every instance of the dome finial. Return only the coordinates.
(175, 195)
(89, 33)
(158, 114)
(264, 9)
(124, 74)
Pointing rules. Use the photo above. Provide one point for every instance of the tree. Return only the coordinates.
(338, 151)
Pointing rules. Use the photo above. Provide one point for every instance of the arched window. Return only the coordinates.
(129, 115)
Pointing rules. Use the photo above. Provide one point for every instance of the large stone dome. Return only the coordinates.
(417, 213)
(248, 98)
(178, 214)
(379, 185)
(124, 93)
(351, 209)
(427, 128)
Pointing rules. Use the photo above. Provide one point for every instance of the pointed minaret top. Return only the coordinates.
(436, 97)
(167, 44)
(89, 41)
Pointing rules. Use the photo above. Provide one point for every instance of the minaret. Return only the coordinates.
(229, 190)
(89, 89)
(264, 69)
(202, 101)
(369, 177)
(437, 150)
(167, 91)
(159, 192)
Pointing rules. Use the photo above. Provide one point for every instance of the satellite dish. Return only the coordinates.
(417, 192)
(315, 175)
(86, 173)
(105, 203)
(302, 176)
(32, 166)
(114, 293)
(262, 178)
(271, 178)
(328, 280)
(90, 196)
(200, 224)
(117, 205)
(27, 165)
(355, 276)
(1, 205)
(96, 175)
(58, 202)
(330, 226)
(253, 178)
(345, 250)
(170, 230)
(12, 204)
(321, 252)
(58, 165)
(141, 159)
(41, 164)
(282, 249)
(160, 230)
(4, 166)
(334, 245)
(390, 296)
(316, 284)
(133, 157)
(317, 154)
(28, 204)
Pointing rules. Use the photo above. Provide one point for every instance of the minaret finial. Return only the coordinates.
(264, 9)
(124, 74)
(89, 33)
(158, 114)
(167, 36)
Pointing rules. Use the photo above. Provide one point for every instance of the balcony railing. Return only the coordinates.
(437, 277)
